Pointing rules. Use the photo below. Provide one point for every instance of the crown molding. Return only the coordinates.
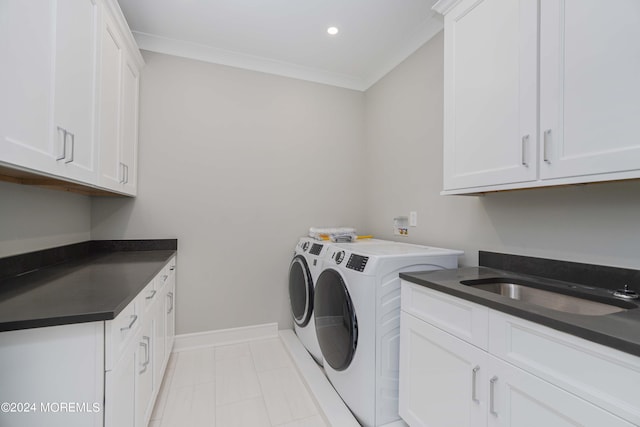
(444, 6)
(214, 55)
(426, 31)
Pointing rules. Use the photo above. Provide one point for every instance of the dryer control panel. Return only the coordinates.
(357, 262)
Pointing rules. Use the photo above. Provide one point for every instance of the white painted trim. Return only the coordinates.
(224, 336)
(113, 8)
(426, 31)
(328, 400)
(444, 6)
(230, 58)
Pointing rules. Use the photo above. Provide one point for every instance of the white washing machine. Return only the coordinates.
(357, 315)
(304, 270)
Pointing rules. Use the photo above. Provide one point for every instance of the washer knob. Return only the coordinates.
(305, 246)
(339, 257)
(626, 293)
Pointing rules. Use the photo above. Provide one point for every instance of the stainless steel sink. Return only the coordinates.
(553, 300)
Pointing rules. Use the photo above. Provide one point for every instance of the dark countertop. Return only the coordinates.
(95, 287)
(618, 330)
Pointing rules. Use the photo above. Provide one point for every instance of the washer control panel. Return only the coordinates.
(357, 262)
(316, 248)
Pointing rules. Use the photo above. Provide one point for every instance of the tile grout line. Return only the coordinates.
(253, 360)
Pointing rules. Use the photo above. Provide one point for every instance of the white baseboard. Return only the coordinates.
(224, 336)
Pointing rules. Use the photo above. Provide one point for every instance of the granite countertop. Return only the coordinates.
(618, 330)
(96, 286)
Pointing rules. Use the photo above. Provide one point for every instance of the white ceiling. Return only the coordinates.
(288, 37)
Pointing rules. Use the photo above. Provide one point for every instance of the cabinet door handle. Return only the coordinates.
(170, 296)
(146, 351)
(153, 294)
(492, 397)
(73, 146)
(545, 146)
(173, 267)
(126, 179)
(122, 172)
(147, 347)
(64, 143)
(133, 320)
(525, 146)
(474, 375)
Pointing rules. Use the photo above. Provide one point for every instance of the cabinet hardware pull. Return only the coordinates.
(73, 145)
(525, 145)
(133, 320)
(147, 348)
(146, 351)
(492, 397)
(474, 375)
(126, 179)
(153, 294)
(170, 296)
(122, 172)
(64, 143)
(173, 267)
(545, 148)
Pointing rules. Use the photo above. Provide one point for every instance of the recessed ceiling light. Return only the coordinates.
(332, 30)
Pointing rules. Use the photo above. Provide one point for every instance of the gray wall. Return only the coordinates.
(597, 223)
(33, 218)
(237, 165)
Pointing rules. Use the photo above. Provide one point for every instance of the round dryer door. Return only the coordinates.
(336, 322)
(300, 291)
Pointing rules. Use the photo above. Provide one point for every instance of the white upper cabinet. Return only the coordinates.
(26, 31)
(75, 88)
(120, 77)
(111, 63)
(583, 93)
(589, 87)
(490, 93)
(70, 81)
(48, 85)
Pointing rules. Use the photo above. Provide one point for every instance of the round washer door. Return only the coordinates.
(300, 291)
(336, 322)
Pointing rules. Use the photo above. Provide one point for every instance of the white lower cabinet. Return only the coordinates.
(142, 357)
(144, 374)
(437, 377)
(448, 382)
(92, 374)
(120, 393)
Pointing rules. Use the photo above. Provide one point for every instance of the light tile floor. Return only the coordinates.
(252, 384)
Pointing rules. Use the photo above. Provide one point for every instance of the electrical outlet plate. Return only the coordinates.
(413, 219)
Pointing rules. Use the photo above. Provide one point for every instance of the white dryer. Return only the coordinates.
(304, 269)
(357, 315)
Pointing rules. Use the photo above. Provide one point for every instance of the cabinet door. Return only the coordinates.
(170, 314)
(520, 399)
(27, 29)
(111, 63)
(159, 341)
(589, 87)
(75, 86)
(490, 129)
(129, 158)
(441, 377)
(144, 375)
(120, 392)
